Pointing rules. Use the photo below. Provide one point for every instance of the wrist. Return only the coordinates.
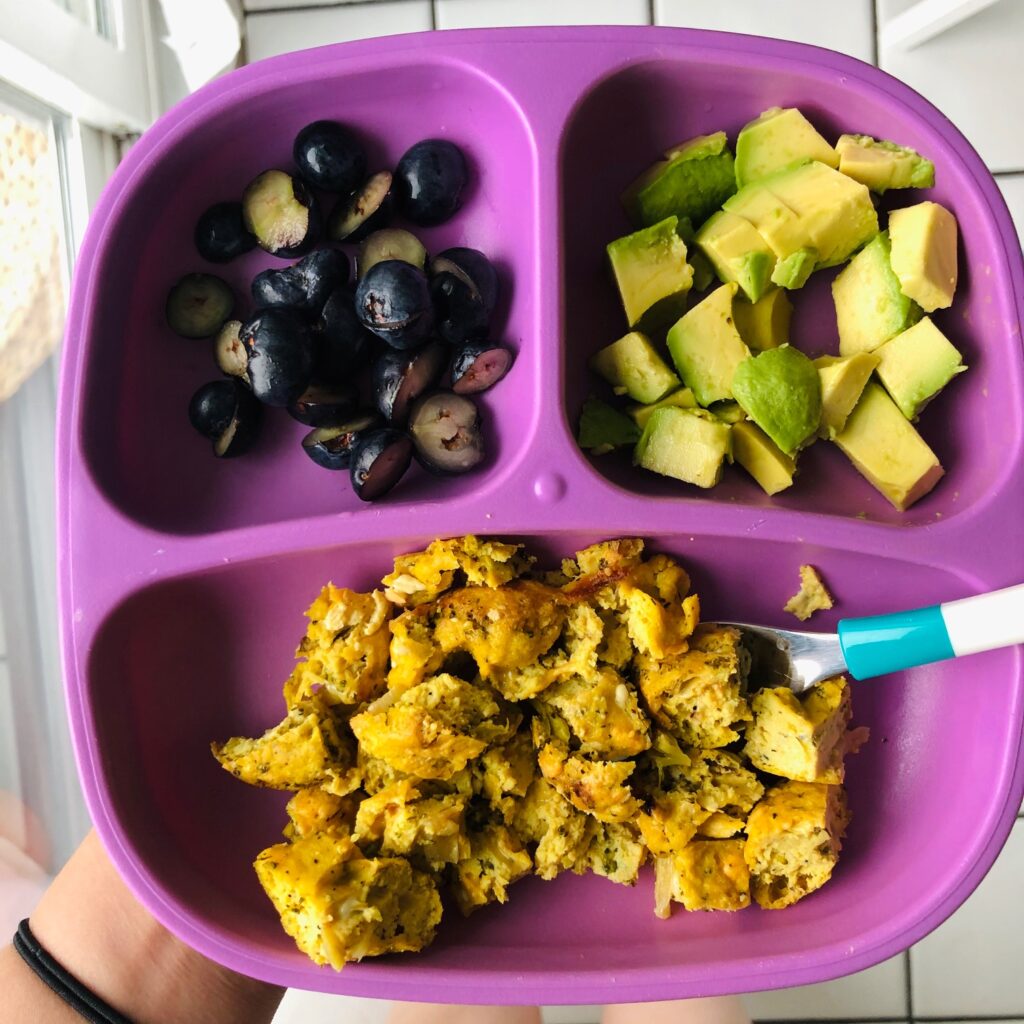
(92, 925)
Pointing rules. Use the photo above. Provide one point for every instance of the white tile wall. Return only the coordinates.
(847, 27)
(970, 967)
(474, 14)
(269, 34)
(880, 991)
(983, 53)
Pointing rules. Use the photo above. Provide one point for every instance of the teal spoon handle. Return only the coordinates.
(879, 644)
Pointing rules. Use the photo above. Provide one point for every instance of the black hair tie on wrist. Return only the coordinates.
(85, 1003)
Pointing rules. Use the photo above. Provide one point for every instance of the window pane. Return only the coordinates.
(32, 255)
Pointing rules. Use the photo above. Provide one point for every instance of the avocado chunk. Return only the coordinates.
(924, 254)
(681, 399)
(776, 138)
(653, 276)
(691, 184)
(698, 147)
(781, 392)
(603, 428)
(765, 323)
(887, 451)
(703, 272)
(737, 252)
(633, 367)
(706, 347)
(882, 165)
(687, 444)
(793, 271)
(916, 365)
(760, 456)
(870, 306)
(776, 222)
(843, 379)
(728, 412)
(835, 212)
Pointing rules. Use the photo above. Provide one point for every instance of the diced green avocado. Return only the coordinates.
(760, 456)
(703, 272)
(777, 138)
(887, 451)
(633, 367)
(870, 307)
(793, 271)
(835, 212)
(698, 147)
(687, 444)
(737, 252)
(882, 165)
(781, 392)
(653, 276)
(692, 185)
(843, 379)
(765, 323)
(706, 347)
(728, 412)
(776, 222)
(603, 428)
(681, 399)
(916, 365)
(924, 254)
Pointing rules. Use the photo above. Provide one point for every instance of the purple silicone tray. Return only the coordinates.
(183, 579)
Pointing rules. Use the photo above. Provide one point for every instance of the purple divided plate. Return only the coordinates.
(183, 579)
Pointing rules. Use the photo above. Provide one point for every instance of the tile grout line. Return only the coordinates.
(433, 15)
(875, 55)
(652, 16)
(908, 981)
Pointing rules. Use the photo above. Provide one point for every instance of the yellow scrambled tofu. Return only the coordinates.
(435, 728)
(339, 905)
(476, 721)
(602, 712)
(813, 595)
(495, 860)
(698, 694)
(308, 748)
(423, 576)
(315, 810)
(400, 820)
(562, 833)
(802, 738)
(345, 649)
(794, 836)
(707, 874)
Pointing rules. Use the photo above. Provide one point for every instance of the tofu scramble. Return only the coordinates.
(478, 720)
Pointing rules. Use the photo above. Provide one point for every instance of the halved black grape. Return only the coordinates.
(329, 156)
(322, 405)
(226, 412)
(393, 301)
(220, 233)
(229, 353)
(304, 285)
(281, 211)
(198, 305)
(390, 244)
(478, 268)
(479, 365)
(331, 447)
(445, 429)
(345, 344)
(280, 349)
(379, 461)
(429, 180)
(399, 378)
(366, 210)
